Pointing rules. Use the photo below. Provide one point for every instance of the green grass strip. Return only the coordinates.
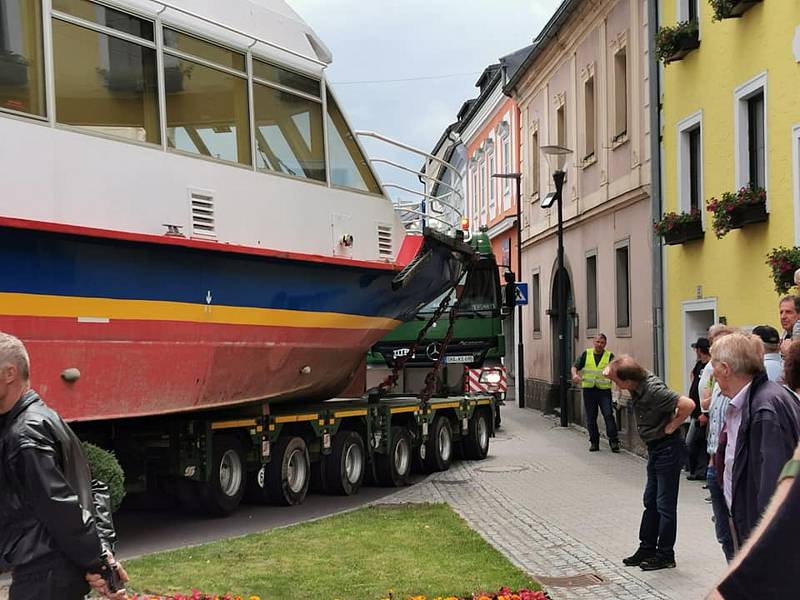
(408, 550)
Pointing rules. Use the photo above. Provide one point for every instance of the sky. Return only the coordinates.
(453, 41)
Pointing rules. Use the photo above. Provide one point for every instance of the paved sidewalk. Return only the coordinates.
(556, 510)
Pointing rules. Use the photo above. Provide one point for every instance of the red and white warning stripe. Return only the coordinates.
(494, 380)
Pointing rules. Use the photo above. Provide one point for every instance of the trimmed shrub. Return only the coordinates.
(106, 468)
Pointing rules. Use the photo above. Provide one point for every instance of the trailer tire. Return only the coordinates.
(439, 450)
(223, 492)
(394, 467)
(343, 469)
(476, 441)
(289, 473)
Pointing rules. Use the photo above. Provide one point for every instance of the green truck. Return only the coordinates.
(472, 358)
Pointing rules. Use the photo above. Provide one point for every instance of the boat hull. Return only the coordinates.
(158, 326)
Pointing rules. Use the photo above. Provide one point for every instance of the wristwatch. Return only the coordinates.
(790, 470)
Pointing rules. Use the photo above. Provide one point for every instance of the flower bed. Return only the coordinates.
(504, 594)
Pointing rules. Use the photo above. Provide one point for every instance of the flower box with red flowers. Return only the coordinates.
(783, 262)
(734, 211)
(677, 228)
(730, 9)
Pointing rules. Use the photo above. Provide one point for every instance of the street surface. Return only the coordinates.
(556, 510)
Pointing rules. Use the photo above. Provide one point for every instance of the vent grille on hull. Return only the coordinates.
(203, 221)
(384, 241)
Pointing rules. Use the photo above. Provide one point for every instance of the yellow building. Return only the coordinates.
(730, 118)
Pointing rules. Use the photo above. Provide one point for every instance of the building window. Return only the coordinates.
(21, 57)
(690, 163)
(695, 171)
(207, 113)
(620, 94)
(755, 140)
(348, 166)
(591, 292)
(623, 291)
(492, 185)
(535, 163)
(475, 192)
(288, 127)
(482, 177)
(536, 304)
(691, 10)
(506, 165)
(104, 83)
(589, 121)
(750, 100)
(561, 126)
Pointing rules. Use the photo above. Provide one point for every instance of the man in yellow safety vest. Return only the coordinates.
(588, 372)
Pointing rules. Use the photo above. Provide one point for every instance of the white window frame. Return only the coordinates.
(535, 302)
(682, 10)
(740, 144)
(505, 144)
(535, 167)
(619, 137)
(591, 332)
(686, 125)
(796, 182)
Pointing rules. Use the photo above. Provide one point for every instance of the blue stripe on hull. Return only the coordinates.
(72, 265)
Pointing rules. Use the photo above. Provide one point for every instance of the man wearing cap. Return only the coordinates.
(596, 392)
(696, 438)
(773, 363)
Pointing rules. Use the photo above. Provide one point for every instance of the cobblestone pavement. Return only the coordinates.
(555, 510)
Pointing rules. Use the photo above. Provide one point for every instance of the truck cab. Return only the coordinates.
(472, 358)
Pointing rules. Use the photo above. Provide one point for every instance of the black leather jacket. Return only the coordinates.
(50, 508)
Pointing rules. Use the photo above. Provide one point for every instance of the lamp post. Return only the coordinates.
(520, 345)
(557, 157)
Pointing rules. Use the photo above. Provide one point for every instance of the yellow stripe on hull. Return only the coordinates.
(38, 305)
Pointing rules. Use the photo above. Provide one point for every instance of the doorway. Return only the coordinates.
(697, 316)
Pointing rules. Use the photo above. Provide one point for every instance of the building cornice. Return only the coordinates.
(623, 200)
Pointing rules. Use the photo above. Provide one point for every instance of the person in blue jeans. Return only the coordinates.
(588, 373)
(714, 404)
(659, 413)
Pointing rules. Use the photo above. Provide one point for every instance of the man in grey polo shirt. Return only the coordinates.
(659, 413)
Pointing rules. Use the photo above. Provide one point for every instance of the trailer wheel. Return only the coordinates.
(289, 472)
(439, 444)
(343, 469)
(225, 488)
(394, 467)
(476, 442)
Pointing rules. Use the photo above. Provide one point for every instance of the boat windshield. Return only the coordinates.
(479, 296)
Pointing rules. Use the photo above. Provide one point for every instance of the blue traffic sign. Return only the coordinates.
(522, 293)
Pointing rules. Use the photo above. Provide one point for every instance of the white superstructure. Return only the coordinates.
(211, 117)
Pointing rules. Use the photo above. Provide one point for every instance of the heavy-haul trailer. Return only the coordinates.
(209, 461)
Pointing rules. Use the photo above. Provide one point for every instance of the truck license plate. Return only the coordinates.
(461, 358)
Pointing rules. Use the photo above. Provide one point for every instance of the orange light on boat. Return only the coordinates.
(465, 223)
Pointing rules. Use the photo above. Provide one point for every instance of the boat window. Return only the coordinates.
(203, 49)
(288, 132)
(348, 166)
(286, 78)
(105, 84)
(107, 17)
(207, 111)
(21, 57)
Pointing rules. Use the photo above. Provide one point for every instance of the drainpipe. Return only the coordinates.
(655, 190)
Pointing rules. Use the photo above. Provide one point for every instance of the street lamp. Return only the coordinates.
(557, 158)
(520, 347)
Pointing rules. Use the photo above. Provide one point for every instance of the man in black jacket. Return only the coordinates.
(55, 525)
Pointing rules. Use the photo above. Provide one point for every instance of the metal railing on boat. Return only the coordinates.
(440, 211)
